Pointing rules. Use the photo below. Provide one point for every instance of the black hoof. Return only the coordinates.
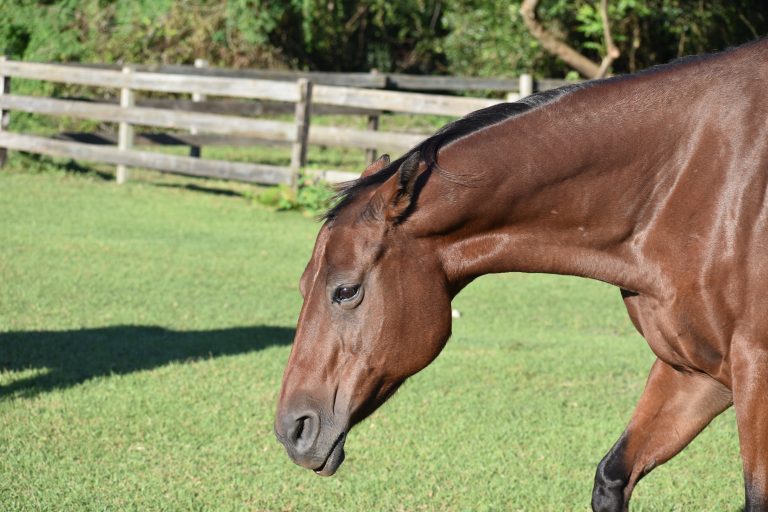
(755, 501)
(607, 497)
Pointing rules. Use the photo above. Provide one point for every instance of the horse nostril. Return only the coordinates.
(302, 433)
(299, 429)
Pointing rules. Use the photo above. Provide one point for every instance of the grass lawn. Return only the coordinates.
(143, 333)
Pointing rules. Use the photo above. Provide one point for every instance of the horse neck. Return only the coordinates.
(566, 189)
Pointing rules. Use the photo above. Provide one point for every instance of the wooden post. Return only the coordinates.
(526, 85)
(299, 147)
(194, 151)
(373, 125)
(5, 117)
(125, 130)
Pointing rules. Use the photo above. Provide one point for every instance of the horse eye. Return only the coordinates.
(346, 292)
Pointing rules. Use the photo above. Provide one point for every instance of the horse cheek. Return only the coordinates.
(429, 331)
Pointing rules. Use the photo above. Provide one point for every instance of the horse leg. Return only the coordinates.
(750, 398)
(673, 409)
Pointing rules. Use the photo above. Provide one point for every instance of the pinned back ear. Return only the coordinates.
(376, 166)
(400, 194)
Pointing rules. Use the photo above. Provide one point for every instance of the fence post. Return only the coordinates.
(195, 151)
(125, 130)
(299, 147)
(526, 85)
(5, 115)
(373, 125)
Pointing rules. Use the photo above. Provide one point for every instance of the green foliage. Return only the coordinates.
(306, 34)
(490, 38)
(146, 31)
(361, 35)
(474, 37)
(312, 198)
(471, 37)
(280, 197)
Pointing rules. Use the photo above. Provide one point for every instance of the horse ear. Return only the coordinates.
(376, 166)
(401, 190)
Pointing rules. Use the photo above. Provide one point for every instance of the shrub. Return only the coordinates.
(312, 198)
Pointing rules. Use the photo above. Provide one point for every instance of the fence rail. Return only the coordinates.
(237, 171)
(373, 79)
(207, 127)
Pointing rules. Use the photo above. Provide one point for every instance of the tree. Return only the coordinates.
(492, 38)
(471, 37)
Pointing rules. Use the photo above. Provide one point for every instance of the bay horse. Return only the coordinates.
(655, 182)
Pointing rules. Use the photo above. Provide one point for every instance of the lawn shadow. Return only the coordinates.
(46, 163)
(67, 358)
(217, 191)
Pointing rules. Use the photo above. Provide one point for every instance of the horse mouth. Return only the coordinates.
(334, 459)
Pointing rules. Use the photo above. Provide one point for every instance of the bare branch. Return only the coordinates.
(611, 51)
(560, 49)
(553, 45)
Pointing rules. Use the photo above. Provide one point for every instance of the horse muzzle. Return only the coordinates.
(311, 442)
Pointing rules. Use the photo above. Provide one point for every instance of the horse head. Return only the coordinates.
(376, 310)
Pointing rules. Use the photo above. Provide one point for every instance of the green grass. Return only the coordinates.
(143, 333)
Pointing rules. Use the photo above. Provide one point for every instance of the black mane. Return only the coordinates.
(451, 132)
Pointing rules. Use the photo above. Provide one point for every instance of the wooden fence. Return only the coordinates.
(372, 80)
(196, 128)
